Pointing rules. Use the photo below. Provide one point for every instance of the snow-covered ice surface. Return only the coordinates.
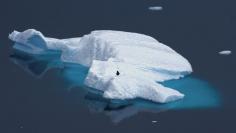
(225, 52)
(142, 61)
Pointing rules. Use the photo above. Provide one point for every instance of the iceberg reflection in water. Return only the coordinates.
(198, 93)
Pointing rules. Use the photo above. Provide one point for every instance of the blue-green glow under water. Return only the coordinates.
(198, 93)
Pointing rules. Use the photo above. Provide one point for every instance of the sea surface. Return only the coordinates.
(40, 94)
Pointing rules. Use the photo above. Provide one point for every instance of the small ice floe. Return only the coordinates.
(154, 121)
(155, 8)
(225, 52)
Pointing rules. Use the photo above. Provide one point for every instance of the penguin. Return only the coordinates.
(117, 73)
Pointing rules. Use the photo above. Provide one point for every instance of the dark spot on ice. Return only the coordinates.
(117, 73)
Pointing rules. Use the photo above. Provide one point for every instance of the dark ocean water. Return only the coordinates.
(42, 95)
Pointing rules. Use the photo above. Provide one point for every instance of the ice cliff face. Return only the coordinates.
(141, 61)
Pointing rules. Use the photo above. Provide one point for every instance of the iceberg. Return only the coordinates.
(141, 61)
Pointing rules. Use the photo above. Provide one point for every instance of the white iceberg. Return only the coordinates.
(225, 52)
(141, 61)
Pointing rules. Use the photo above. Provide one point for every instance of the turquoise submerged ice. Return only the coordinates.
(141, 60)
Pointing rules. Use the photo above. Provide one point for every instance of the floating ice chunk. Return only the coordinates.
(141, 61)
(225, 52)
(155, 8)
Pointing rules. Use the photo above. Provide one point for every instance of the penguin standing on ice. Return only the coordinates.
(117, 73)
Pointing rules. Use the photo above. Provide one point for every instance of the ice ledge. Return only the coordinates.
(23, 37)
